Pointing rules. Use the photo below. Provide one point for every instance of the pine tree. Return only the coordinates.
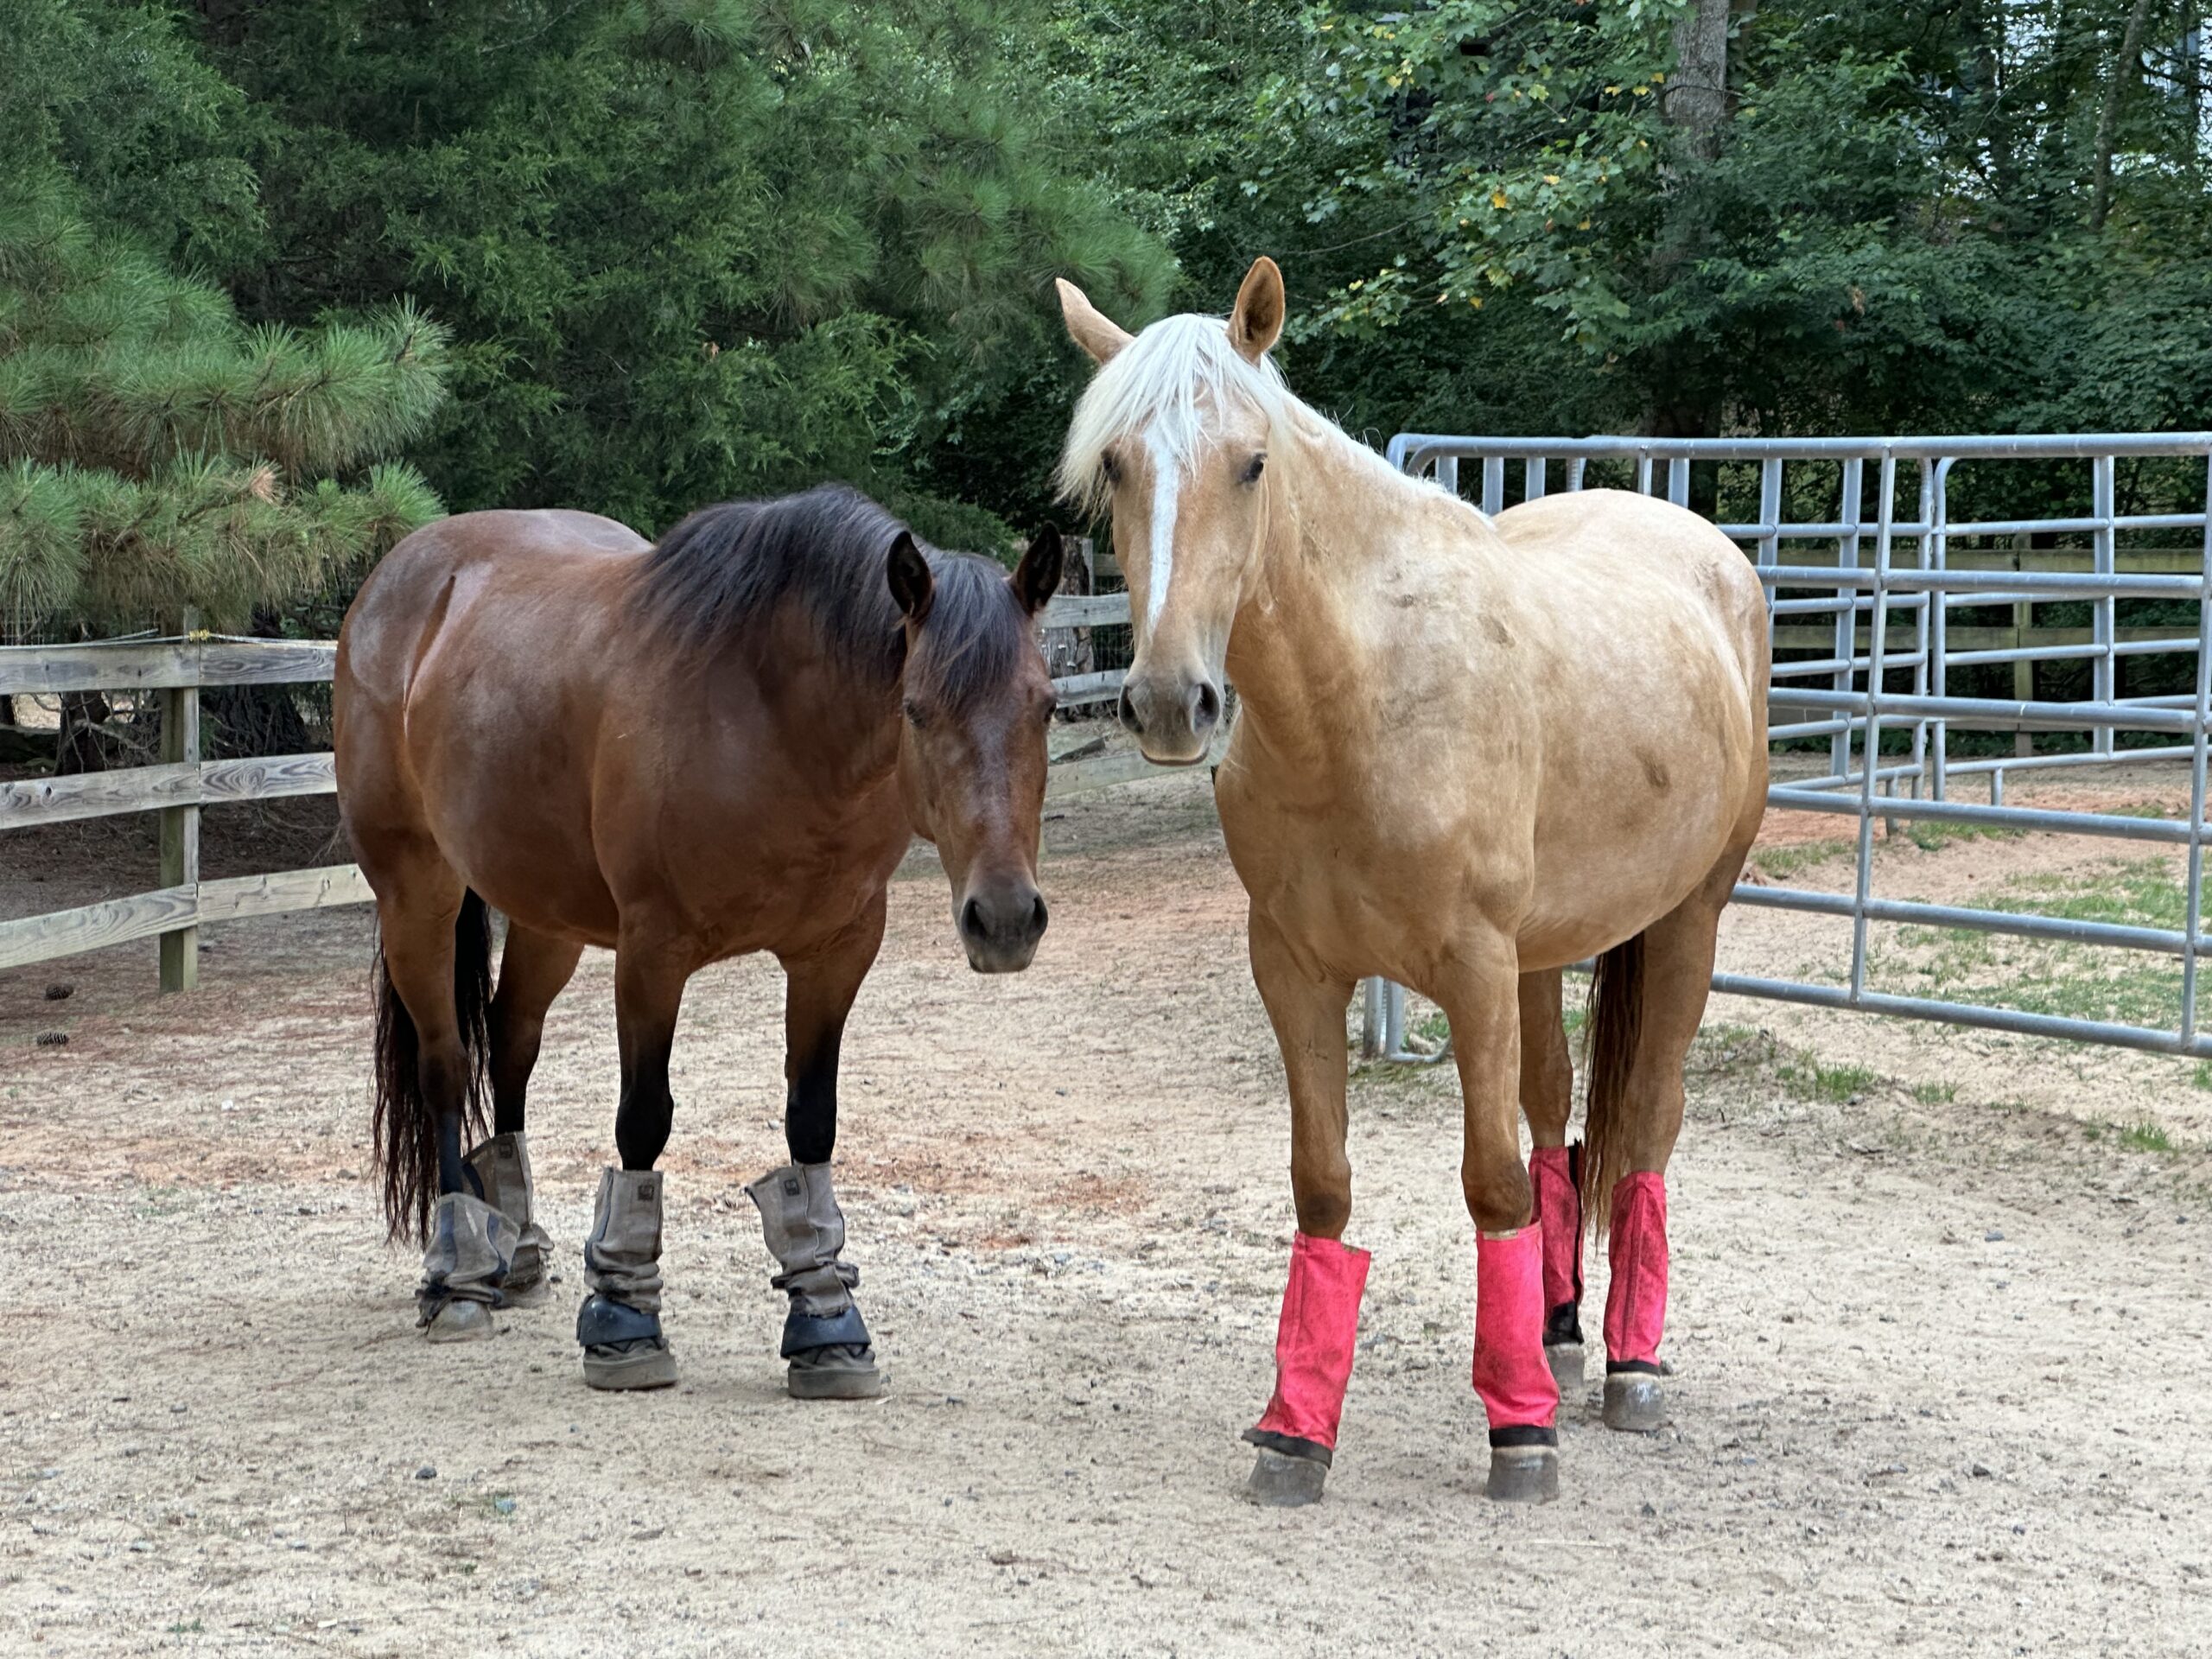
(158, 457)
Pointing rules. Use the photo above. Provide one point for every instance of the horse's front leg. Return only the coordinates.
(619, 1325)
(1480, 995)
(1297, 1435)
(826, 1342)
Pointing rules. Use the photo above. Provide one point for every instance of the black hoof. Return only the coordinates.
(1635, 1403)
(839, 1371)
(1523, 1465)
(1285, 1483)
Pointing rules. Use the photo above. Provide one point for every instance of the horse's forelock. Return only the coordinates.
(1163, 383)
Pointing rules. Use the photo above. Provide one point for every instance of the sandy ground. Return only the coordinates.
(1942, 1382)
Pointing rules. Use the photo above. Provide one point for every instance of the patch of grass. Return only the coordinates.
(1805, 1073)
(2201, 1078)
(2143, 1135)
(180, 1628)
(1780, 863)
(1935, 1094)
(2081, 981)
(1933, 837)
(1434, 1028)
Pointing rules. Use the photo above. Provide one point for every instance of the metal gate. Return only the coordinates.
(1985, 523)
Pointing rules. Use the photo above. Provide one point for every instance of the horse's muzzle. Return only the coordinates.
(1172, 715)
(1001, 926)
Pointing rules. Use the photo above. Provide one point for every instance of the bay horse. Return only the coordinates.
(1470, 752)
(684, 752)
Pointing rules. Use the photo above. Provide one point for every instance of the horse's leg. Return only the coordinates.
(1677, 972)
(1548, 1101)
(533, 969)
(619, 1325)
(1480, 997)
(425, 1070)
(1297, 1435)
(826, 1342)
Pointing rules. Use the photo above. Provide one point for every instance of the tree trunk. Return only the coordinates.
(1696, 99)
(2126, 70)
(1696, 103)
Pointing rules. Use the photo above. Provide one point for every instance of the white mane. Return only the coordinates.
(1159, 385)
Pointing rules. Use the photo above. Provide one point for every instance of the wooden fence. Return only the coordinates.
(175, 671)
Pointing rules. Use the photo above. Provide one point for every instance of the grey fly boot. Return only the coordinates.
(825, 1339)
(501, 1167)
(618, 1323)
(472, 1246)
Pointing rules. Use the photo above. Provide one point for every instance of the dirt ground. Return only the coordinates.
(1939, 1327)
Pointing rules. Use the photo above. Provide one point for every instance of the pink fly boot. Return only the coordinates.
(1635, 1304)
(1297, 1435)
(1510, 1373)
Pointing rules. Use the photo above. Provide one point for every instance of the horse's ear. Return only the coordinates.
(1038, 574)
(1089, 327)
(1256, 323)
(911, 585)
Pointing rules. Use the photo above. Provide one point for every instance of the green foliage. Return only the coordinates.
(693, 249)
(157, 456)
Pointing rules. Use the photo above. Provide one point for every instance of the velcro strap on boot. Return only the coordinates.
(804, 1331)
(600, 1323)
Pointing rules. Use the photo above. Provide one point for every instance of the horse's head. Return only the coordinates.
(978, 698)
(1175, 433)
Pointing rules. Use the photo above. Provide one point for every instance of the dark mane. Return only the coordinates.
(718, 577)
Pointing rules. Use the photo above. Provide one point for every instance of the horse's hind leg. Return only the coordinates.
(432, 943)
(1677, 974)
(619, 1325)
(1548, 1101)
(533, 969)
(826, 1343)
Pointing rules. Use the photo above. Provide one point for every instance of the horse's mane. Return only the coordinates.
(1160, 384)
(718, 578)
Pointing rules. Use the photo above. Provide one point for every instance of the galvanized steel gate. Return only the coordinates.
(1890, 568)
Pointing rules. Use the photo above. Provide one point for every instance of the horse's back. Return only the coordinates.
(412, 591)
(473, 671)
(1643, 552)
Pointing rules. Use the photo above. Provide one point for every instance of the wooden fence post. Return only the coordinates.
(181, 836)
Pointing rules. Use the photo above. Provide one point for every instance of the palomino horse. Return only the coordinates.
(1470, 754)
(687, 752)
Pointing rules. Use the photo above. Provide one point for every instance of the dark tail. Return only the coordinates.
(406, 1128)
(1615, 1025)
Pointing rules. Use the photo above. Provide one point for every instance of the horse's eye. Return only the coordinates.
(1252, 473)
(916, 716)
(1111, 467)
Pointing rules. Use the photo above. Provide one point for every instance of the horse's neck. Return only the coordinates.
(1340, 517)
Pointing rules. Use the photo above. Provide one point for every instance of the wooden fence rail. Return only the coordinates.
(183, 783)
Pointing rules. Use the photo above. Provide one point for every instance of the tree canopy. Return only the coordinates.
(278, 280)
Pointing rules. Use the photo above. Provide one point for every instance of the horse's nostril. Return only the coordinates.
(1038, 918)
(971, 920)
(1205, 706)
(1129, 714)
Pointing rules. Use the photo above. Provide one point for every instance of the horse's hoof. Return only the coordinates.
(1281, 1482)
(1566, 1361)
(1634, 1403)
(536, 1294)
(839, 1372)
(1523, 1474)
(640, 1365)
(459, 1321)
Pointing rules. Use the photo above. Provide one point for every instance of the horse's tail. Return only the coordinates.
(406, 1125)
(1616, 1023)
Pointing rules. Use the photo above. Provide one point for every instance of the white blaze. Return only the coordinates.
(1166, 480)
